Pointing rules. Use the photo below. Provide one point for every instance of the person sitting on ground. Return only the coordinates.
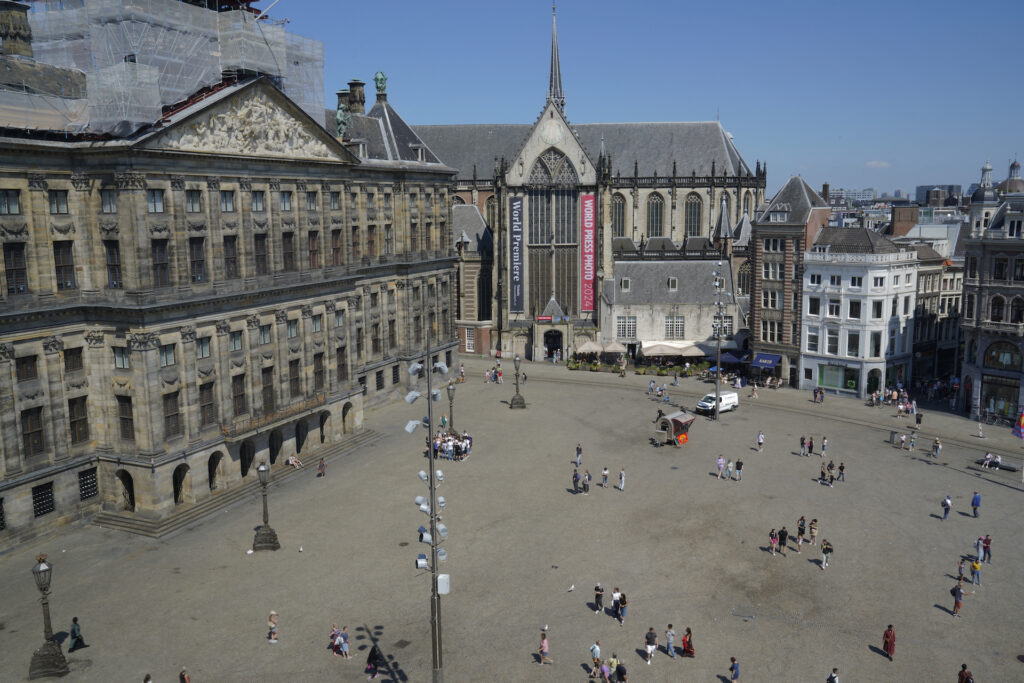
(988, 461)
(997, 461)
(294, 461)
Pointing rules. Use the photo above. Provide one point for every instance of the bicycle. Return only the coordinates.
(996, 419)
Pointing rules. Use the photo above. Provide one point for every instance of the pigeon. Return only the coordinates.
(571, 588)
(300, 548)
(545, 627)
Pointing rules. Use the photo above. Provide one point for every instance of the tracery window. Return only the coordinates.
(618, 215)
(692, 215)
(655, 215)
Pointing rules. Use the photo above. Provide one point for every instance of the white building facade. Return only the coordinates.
(858, 314)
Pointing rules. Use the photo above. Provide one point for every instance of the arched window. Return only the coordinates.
(1017, 310)
(747, 199)
(969, 307)
(691, 217)
(618, 215)
(995, 310)
(1003, 356)
(492, 212)
(655, 214)
(457, 200)
(743, 278)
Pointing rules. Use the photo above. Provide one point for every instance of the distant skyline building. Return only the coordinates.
(921, 191)
(868, 194)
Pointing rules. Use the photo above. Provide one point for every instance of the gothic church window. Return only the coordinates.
(618, 215)
(692, 215)
(655, 215)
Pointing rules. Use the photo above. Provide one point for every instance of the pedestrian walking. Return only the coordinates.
(595, 655)
(801, 529)
(734, 669)
(739, 469)
(321, 469)
(913, 441)
(688, 643)
(965, 675)
(961, 567)
(903, 442)
(183, 676)
(833, 677)
(622, 479)
(76, 642)
(822, 477)
(987, 548)
(374, 661)
(976, 572)
(670, 636)
(651, 643)
(783, 539)
(824, 446)
(889, 642)
(813, 528)
(947, 505)
(623, 604)
(831, 474)
(586, 482)
(728, 470)
(810, 445)
(720, 464)
(917, 419)
(803, 445)
(598, 599)
(272, 630)
(579, 454)
(604, 478)
(650, 388)
(826, 553)
(341, 648)
(524, 378)
(575, 481)
(958, 593)
(936, 448)
(842, 472)
(544, 650)
(760, 441)
(620, 672)
(976, 503)
(773, 541)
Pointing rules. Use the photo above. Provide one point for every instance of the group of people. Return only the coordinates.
(493, 375)
(807, 446)
(452, 446)
(992, 461)
(828, 473)
(819, 395)
(778, 541)
(726, 469)
(338, 644)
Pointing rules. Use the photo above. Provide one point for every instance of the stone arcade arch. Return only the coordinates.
(246, 455)
(274, 443)
(323, 418)
(347, 419)
(127, 491)
(301, 433)
(181, 483)
(213, 467)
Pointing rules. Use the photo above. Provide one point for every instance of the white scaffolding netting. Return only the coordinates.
(142, 55)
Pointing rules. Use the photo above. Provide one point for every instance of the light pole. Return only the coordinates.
(266, 538)
(451, 409)
(48, 661)
(437, 654)
(719, 283)
(517, 401)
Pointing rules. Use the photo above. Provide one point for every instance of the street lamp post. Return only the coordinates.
(451, 409)
(48, 661)
(266, 538)
(437, 653)
(517, 401)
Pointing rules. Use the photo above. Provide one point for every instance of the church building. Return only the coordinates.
(556, 194)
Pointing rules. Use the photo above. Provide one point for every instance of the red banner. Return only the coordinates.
(588, 253)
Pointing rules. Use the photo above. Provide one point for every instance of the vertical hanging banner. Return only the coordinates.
(515, 293)
(588, 253)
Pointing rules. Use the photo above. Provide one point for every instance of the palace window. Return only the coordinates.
(197, 259)
(288, 250)
(285, 197)
(14, 267)
(313, 241)
(235, 341)
(73, 359)
(227, 201)
(335, 201)
(161, 275)
(259, 243)
(167, 355)
(293, 329)
(122, 358)
(238, 397)
(113, 252)
(317, 322)
(230, 257)
(64, 265)
(26, 368)
(58, 201)
(10, 202)
(78, 420)
(32, 431)
(264, 334)
(193, 201)
(207, 405)
(172, 415)
(318, 371)
(203, 348)
(336, 247)
(342, 361)
(125, 417)
(257, 201)
(311, 201)
(267, 377)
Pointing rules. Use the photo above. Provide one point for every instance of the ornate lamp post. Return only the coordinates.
(451, 409)
(719, 283)
(266, 538)
(517, 401)
(48, 661)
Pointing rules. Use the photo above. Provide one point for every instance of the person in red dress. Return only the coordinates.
(889, 642)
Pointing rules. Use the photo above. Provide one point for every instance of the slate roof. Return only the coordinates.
(648, 282)
(796, 198)
(553, 309)
(1015, 204)
(926, 253)
(723, 228)
(386, 134)
(854, 241)
(468, 226)
(693, 146)
(741, 235)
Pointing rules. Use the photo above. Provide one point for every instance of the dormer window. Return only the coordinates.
(673, 284)
(778, 216)
(625, 284)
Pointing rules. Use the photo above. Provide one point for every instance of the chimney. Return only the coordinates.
(342, 99)
(15, 31)
(356, 97)
(824, 192)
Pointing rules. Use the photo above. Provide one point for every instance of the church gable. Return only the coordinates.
(252, 122)
(551, 155)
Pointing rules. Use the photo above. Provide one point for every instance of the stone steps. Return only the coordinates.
(221, 500)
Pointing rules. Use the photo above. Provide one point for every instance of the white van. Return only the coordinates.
(729, 400)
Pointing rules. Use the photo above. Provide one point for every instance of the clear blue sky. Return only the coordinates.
(859, 94)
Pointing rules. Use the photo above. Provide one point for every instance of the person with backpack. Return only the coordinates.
(833, 677)
(965, 675)
(947, 505)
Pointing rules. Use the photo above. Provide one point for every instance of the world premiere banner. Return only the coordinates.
(515, 294)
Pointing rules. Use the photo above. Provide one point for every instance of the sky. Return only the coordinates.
(861, 94)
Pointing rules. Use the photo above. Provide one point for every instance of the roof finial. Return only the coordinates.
(555, 93)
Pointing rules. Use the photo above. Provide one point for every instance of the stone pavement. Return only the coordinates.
(685, 547)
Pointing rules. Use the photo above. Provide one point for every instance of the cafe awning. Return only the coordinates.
(765, 360)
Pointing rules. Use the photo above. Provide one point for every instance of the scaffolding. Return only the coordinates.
(140, 56)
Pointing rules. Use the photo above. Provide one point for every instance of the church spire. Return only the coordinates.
(555, 93)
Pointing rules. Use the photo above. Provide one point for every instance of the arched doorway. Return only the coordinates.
(552, 342)
(874, 379)
(180, 480)
(275, 445)
(246, 454)
(324, 417)
(213, 469)
(968, 394)
(301, 432)
(127, 491)
(347, 421)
